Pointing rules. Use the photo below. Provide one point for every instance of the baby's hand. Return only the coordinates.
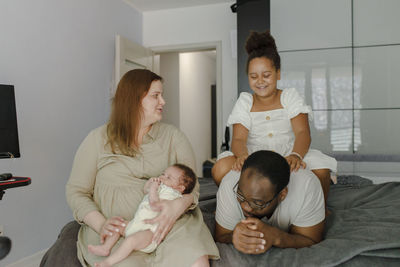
(295, 162)
(155, 180)
(154, 184)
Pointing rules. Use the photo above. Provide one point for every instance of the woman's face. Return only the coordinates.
(153, 104)
(263, 76)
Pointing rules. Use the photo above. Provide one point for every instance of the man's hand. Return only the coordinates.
(298, 237)
(270, 235)
(248, 240)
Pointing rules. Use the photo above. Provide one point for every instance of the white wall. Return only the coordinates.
(60, 57)
(309, 24)
(197, 72)
(210, 23)
(169, 70)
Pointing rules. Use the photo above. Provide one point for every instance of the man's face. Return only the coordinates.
(256, 195)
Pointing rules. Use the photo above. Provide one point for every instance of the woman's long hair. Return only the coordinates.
(127, 111)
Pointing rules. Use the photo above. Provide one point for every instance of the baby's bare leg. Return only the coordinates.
(221, 168)
(136, 241)
(105, 248)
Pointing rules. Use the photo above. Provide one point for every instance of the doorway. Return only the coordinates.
(192, 89)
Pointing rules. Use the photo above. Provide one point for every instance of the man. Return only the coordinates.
(262, 208)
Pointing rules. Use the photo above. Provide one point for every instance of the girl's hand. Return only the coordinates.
(170, 211)
(237, 166)
(295, 162)
(113, 225)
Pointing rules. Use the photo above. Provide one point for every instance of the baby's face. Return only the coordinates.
(171, 177)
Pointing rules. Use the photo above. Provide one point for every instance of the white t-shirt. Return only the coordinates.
(303, 206)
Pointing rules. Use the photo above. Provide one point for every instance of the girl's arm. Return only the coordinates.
(239, 140)
(239, 145)
(302, 135)
(302, 141)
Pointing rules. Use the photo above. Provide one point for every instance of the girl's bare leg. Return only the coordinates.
(136, 241)
(105, 248)
(221, 168)
(324, 176)
(202, 262)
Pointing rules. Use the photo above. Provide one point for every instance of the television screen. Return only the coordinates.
(9, 145)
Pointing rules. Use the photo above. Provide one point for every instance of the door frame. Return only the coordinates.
(197, 47)
(128, 55)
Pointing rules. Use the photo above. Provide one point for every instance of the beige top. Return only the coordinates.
(111, 184)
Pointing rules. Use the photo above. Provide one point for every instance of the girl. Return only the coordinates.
(271, 118)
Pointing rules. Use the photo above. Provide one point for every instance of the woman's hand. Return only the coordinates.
(170, 211)
(237, 166)
(113, 225)
(295, 162)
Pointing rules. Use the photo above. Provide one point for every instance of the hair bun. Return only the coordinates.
(260, 41)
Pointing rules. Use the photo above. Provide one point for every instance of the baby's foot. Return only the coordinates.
(99, 250)
(101, 264)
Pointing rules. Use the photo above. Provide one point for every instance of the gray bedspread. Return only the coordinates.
(363, 230)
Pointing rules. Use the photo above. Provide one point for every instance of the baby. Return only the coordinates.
(176, 180)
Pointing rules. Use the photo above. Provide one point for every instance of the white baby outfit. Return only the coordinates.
(272, 130)
(145, 212)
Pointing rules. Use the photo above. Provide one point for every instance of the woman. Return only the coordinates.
(111, 167)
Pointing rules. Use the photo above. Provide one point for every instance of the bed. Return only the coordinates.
(362, 230)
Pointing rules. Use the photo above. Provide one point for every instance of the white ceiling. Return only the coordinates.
(151, 5)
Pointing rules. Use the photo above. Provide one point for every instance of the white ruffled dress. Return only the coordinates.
(272, 130)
